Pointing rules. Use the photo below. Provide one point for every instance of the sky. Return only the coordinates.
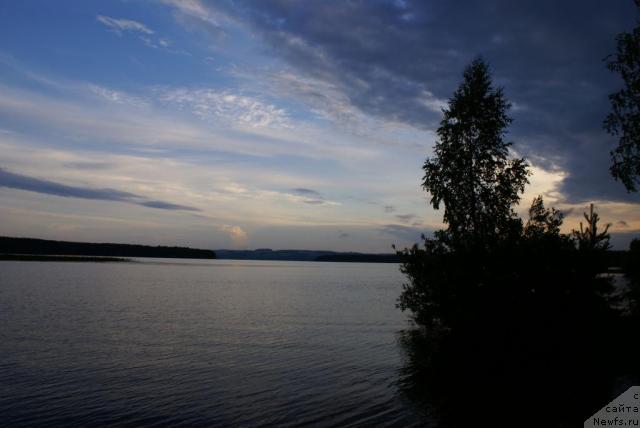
(288, 124)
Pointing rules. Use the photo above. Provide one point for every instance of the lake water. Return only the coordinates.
(208, 343)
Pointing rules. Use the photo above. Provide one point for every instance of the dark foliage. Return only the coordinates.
(471, 172)
(624, 119)
(530, 333)
(547, 347)
(515, 322)
(588, 238)
(632, 273)
(454, 288)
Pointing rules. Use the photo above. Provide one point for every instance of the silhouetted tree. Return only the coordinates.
(588, 237)
(624, 119)
(505, 305)
(523, 313)
(454, 287)
(542, 222)
(632, 273)
(471, 172)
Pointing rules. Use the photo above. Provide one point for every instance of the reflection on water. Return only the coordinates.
(217, 343)
(227, 343)
(528, 374)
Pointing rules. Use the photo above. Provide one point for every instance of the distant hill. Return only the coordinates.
(305, 256)
(45, 247)
(359, 258)
(9, 245)
(268, 254)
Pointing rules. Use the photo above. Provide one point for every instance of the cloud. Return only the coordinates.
(323, 98)
(405, 218)
(144, 33)
(345, 65)
(411, 234)
(118, 97)
(238, 236)
(194, 14)
(389, 208)
(144, 120)
(119, 26)
(166, 206)
(343, 235)
(23, 182)
(306, 192)
(133, 125)
(86, 165)
(310, 196)
(211, 104)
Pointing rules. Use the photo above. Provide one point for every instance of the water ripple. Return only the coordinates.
(257, 344)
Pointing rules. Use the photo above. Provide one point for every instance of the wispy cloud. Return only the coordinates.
(86, 120)
(32, 184)
(120, 26)
(324, 98)
(411, 234)
(407, 69)
(87, 165)
(307, 192)
(405, 218)
(166, 206)
(144, 33)
(194, 13)
(310, 196)
(210, 104)
(114, 96)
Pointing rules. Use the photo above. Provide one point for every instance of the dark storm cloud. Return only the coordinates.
(23, 182)
(396, 59)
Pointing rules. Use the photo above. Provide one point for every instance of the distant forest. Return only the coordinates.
(32, 246)
(306, 256)
(41, 247)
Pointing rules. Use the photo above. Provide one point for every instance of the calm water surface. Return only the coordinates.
(209, 343)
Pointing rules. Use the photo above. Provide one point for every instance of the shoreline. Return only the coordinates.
(53, 258)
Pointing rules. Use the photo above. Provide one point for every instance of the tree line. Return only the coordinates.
(507, 304)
